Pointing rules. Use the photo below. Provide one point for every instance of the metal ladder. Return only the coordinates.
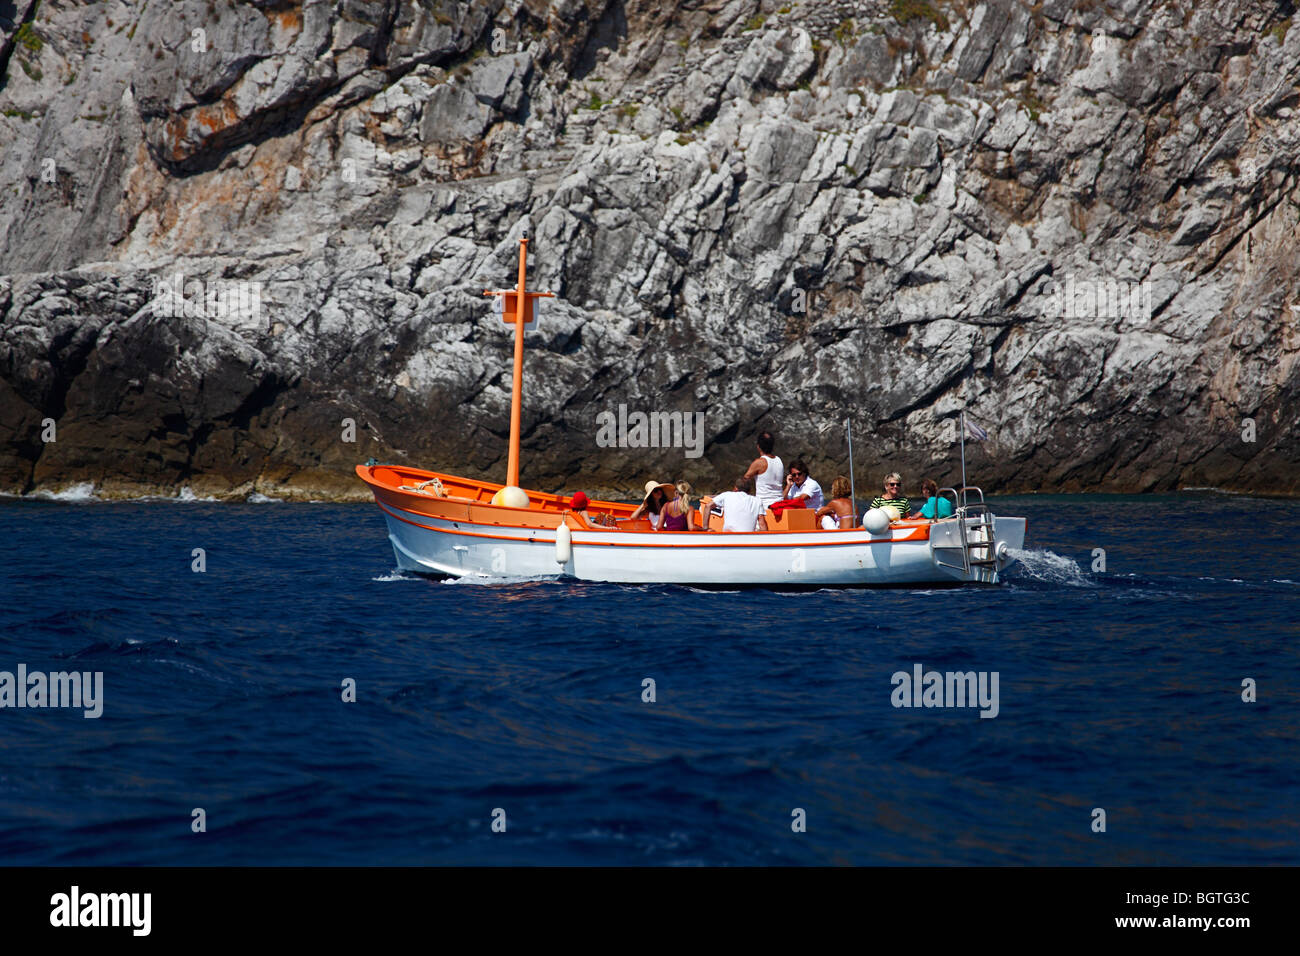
(978, 541)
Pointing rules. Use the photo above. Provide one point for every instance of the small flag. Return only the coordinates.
(975, 432)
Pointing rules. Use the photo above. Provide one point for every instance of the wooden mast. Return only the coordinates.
(517, 393)
(512, 313)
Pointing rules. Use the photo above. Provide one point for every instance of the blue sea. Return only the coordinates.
(1120, 690)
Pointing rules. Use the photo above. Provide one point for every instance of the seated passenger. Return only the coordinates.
(678, 514)
(799, 484)
(934, 507)
(741, 510)
(579, 504)
(656, 496)
(891, 498)
(840, 506)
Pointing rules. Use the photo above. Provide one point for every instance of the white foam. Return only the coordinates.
(83, 491)
(257, 498)
(491, 580)
(187, 495)
(1051, 567)
(395, 576)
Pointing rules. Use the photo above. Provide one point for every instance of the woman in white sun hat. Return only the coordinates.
(656, 496)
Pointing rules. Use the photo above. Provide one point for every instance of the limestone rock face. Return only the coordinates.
(243, 245)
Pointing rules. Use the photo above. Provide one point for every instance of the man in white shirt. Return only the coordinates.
(741, 511)
(799, 484)
(767, 471)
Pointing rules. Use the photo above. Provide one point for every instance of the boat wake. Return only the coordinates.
(485, 580)
(396, 575)
(1049, 568)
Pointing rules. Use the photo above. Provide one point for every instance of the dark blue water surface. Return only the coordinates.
(1119, 690)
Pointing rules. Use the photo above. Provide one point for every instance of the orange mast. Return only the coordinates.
(512, 313)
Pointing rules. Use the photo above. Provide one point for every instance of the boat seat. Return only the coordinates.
(792, 519)
(638, 524)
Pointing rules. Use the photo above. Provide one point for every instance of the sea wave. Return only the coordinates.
(186, 494)
(85, 491)
(82, 491)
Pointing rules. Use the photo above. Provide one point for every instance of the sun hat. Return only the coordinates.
(579, 502)
(650, 486)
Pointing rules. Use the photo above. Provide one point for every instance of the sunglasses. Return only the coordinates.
(891, 484)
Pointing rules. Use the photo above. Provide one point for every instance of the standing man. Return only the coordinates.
(800, 484)
(767, 471)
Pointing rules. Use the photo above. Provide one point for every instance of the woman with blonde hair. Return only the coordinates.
(839, 507)
(677, 514)
(893, 498)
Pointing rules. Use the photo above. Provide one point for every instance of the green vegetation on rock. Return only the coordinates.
(906, 11)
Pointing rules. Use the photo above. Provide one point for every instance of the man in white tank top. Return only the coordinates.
(767, 471)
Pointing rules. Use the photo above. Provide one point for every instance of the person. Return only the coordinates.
(740, 507)
(891, 498)
(767, 471)
(839, 507)
(934, 507)
(579, 504)
(656, 496)
(799, 484)
(677, 515)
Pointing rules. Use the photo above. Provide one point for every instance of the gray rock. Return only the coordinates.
(1077, 224)
(453, 113)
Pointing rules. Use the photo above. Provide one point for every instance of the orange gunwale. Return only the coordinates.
(698, 539)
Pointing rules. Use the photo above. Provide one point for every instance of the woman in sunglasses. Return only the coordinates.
(893, 498)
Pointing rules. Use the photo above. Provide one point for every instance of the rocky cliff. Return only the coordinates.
(234, 236)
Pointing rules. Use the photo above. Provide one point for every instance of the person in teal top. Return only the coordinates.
(933, 503)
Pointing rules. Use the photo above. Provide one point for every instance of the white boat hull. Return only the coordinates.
(902, 556)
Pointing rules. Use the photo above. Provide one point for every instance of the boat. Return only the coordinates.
(444, 525)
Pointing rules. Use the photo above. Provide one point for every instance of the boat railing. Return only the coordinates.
(948, 493)
(978, 504)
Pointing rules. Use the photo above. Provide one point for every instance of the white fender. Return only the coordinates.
(876, 521)
(563, 544)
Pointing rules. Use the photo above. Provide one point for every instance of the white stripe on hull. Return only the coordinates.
(787, 560)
